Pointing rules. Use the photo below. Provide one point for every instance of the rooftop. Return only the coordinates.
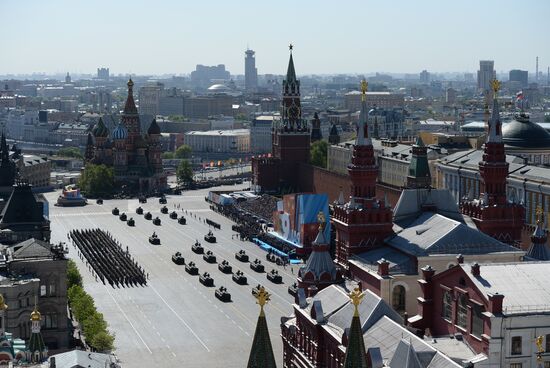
(230, 132)
(525, 285)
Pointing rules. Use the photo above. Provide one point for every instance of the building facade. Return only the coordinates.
(233, 140)
(485, 75)
(383, 100)
(260, 134)
(250, 71)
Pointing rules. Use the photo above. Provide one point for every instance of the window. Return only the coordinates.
(516, 345)
(462, 311)
(49, 321)
(515, 365)
(42, 290)
(447, 305)
(52, 288)
(548, 344)
(477, 320)
(398, 298)
(547, 364)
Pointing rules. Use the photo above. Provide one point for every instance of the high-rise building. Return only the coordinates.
(149, 97)
(425, 76)
(103, 73)
(519, 76)
(250, 71)
(485, 75)
(204, 75)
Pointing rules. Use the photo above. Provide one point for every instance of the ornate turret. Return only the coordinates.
(130, 117)
(120, 153)
(334, 136)
(8, 169)
(364, 221)
(538, 249)
(100, 130)
(319, 270)
(89, 153)
(419, 170)
(37, 351)
(291, 108)
(261, 353)
(492, 212)
(316, 134)
(356, 355)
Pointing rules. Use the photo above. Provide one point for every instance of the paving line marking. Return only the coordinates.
(179, 317)
(173, 354)
(127, 319)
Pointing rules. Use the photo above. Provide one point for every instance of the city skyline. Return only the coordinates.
(172, 38)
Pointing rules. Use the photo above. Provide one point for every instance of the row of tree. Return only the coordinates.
(83, 307)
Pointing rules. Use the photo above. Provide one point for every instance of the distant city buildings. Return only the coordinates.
(204, 76)
(219, 141)
(260, 134)
(352, 100)
(485, 75)
(424, 77)
(519, 78)
(149, 98)
(250, 71)
(103, 74)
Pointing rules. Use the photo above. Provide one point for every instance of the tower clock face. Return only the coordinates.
(293, 111)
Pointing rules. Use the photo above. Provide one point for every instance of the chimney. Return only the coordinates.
(460, 259)
(475, 269)
(383, 267)
(495, 303)
(427, 272)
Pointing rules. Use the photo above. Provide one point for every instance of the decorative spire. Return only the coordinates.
(419, 169)
(495, 126)
(362, 125)
(356, 356)
(130, 105)
(290, 73)
(261, 353)
(538, 249)
(37, 351)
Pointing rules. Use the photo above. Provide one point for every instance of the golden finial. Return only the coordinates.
(364, 88)
(540, 215)
(3, 305)
(262, 297)
(130, 82)
(35, 315)
(321, 220)
(540, 348)
(495, 83)
(356, 297)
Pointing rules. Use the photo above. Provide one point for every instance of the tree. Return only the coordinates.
(168, 155)
(184, 172)
(73, 276)
(547, 118)
(176, 118)
(318, 153)
(183, 151)
(103, 341)
(97, 180)
(70, 152)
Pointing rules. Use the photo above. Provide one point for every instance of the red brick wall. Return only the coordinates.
(368, 281)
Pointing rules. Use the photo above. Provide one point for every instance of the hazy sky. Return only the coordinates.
(337, 36)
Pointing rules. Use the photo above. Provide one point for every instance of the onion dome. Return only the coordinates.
(3, 305)
(523, 133)
(154, 128)
(100, 130)
(35, 315)
(120, 132)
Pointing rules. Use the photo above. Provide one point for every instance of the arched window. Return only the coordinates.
(399, 298)
(447, 305)
(462, 311)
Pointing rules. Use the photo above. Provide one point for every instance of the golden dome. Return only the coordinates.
(3, 306)
(35, 315)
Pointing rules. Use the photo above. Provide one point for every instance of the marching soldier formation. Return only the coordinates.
(106, 258)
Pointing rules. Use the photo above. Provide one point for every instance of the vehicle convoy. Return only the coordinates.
(210, 237)
(156, 221)
(209, 257)
(131, 222)
(139, 211)
(257, 266)
(206, 280)
(241, 256)
(197, 248)
(115, 211)
(274, 277)
(223, 295)
(225, 267)
(182, 220)
(191, 268)
(154, 239)
(178, 259)
(239, 278)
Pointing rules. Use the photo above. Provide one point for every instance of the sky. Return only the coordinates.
(329, 37)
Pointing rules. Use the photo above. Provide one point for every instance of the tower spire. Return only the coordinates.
(261, 353)
(356, 355)
(37, 350)
(363, 138)
(130, 105)
(495, 132)
(419, 169)
(538, 248)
